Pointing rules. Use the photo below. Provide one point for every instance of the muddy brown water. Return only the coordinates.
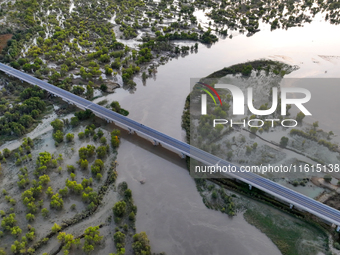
(170, 209)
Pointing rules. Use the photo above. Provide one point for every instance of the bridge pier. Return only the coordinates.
(337, 228)
(250, 187)
(291, 206)
(131, 132)
(183, 155)
(155, 143)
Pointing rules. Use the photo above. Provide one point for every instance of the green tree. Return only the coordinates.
(330, 133)
(119, 208)
(55, 228)
(284, 141)
(71, 169)
(84, 164)
(101, 152)
(103, 87)
(58, 136)
(254, 146)
(74, 121)
(69, 137)
(54, 163)
(253, 130)
(214, 194)
(103, 140)
(115, 106)
(8, 222)
(89, 90)
(114, 141)
(73, 176)
(327, 178)
(81, 135)
(115, 132)
(63, 192)
(44, 158)
(56, 201)
(66, 239)
(300, 116)
(246, 71)
(119, 239)
(100, 133)
(132, 216)
(49, 192)
(97, 167)
(44, 179)
(6, 152)
(44, 212)
(141, 244)
(86, 152)
(30, 217)
(128, 193)
(16, 231)
(78, 90)
(57, 125)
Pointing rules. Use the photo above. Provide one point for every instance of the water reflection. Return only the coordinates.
(169, 208)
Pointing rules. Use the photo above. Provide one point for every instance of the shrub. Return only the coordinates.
(44, 212)
(119, 239)
(58, 136)
(81, 135)
(30, 217)
(57, 125)
(101, 151)
(56, 201)
(128, 193)
(284, 141)
(71, 168)
(6, 152)
(55, 228)
(141, 244)
(119, 208)
(69, 137)
(214, 194)
(132, 216)
(327, 178)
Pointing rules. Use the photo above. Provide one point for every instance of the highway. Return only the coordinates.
(294, 198)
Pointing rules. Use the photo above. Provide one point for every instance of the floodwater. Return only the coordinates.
(170, 210)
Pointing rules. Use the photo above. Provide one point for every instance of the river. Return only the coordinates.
(170, 210)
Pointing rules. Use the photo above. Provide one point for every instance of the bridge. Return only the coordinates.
(329, 214)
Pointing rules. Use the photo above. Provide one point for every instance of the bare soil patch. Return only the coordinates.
(3, 40)
(334, 202)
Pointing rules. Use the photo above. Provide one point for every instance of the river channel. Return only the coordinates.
(170, 210)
